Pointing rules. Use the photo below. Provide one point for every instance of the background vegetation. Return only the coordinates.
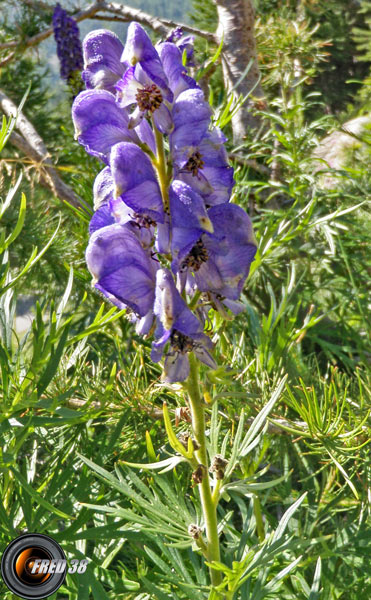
(80, 395)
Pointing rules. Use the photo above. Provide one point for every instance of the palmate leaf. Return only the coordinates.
(155, 510)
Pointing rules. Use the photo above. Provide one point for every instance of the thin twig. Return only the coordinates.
(7, 59)
(250, 162)
(161, 26)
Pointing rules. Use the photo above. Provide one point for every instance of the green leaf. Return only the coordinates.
(37, 497)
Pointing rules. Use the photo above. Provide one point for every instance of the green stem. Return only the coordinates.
(161, 167)
(208, 506)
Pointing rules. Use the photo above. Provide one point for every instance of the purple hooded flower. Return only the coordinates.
(221, 261)
(179, 329)
(100, 123)
(204, 166)
(187, 220)
(110, 210)
(122, 270)
(137, 88)
(69, 51)
(135, 181)
(191, 117)
(102, 52)
(139, 49)
(144, 84)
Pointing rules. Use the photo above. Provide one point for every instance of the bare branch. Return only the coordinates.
(31, 144)
(161, 26)
(7, 59)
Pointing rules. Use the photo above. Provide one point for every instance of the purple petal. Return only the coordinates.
(162, 337)
(171, 58)
(127, 88)
(233, 221)
(176, 367)
(102, 51)
(103, 188)
(163, 237)
(101, 218)
(221, 181)
(170, 308)
(122, 270)
(144, 325)
(204, 356)
(100, 123)
(163, 120)
(231, 251)
(135, 181)
(146, 135)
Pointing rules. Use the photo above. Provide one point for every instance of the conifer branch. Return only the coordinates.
(32, 145)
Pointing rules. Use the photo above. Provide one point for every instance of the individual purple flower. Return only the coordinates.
(139, 49)
(69, 51)
(100, 123)
(205, 167)
(187, 220)
(191, 117)
(144, 84)
(137, 88)
(109, 210)
(178, 329)
(102, 52)
(220, 262)
(135, 181)
(122, 270)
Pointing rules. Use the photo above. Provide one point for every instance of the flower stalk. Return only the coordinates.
(161, 168)
(209, 507)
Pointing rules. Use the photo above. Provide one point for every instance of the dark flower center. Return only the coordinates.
(196, 257)
(194, 163)
(180, 342)
(143, 221)
(149, 98)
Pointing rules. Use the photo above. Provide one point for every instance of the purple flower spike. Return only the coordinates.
(191, 116)
(139, 49)
(100, 123)
(226, 255)
(69, 51)
(122, 270)
(135, 181)
(175, 71)
(178, 327)
(102, 51)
